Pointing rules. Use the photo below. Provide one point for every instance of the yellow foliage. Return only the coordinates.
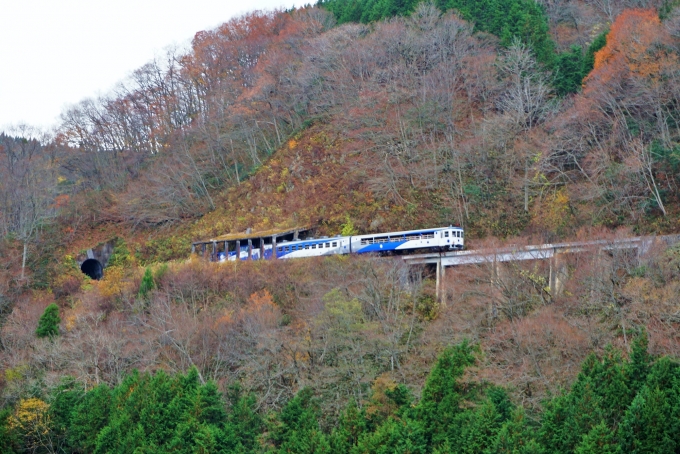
(15, 373)
(292, 144)
(553, 212)
(113, 283)
(380, 403)
(31, 416)
(70, 322)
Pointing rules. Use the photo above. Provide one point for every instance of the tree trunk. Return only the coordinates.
(23, 260)
(526, 186)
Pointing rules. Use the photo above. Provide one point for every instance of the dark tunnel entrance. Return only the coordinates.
(92, 268)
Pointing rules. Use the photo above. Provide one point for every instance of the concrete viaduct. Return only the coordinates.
(553, 252)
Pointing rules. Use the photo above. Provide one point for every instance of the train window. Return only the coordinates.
(306, 246)
(328, 245)
(446, 234)
(335, 244)
(280, 249)
(313, 246)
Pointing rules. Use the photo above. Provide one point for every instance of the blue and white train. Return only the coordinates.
(436, 239)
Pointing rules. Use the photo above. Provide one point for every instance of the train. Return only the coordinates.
(434, 239)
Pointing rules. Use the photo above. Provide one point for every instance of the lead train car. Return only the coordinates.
(438, 239)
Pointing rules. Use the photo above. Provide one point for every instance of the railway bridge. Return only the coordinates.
(555, 253)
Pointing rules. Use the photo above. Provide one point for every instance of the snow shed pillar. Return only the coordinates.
(238, 250)
(274, 254)
(250, 249)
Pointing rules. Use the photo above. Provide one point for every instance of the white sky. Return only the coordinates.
(55, 53)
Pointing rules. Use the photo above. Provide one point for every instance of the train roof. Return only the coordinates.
(338, 237)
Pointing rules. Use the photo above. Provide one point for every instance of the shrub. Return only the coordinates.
(147, 284)
(48, 325)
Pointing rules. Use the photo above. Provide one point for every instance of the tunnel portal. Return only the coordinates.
(92, 268)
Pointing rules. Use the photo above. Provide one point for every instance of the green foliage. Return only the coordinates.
(443, 393)
(297, 428)
(154, 413)
(573, 65)
(614, 406)
(9, 440)
(589, 59)
(63, 399)
(121, 255)
(244, 424)
(398, 436)
(638, 367)
(667, 8)
(648, 424)
(507, 19)
(48, 325)
(516, 437)
(348, 229)
(351, 425)
(600, 440)
(163, 249)
(569, 71)
(89, 416)
(147, 284)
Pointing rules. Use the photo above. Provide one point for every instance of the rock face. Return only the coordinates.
(95, 259)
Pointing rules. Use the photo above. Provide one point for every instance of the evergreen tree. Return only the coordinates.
(648, 426)
(394, 436)
(48, 325)
(298, 427)
(516, 437)
(8, 437)
(599, 440)
(442, 394)
(589, 59)
(569, 71)
(147, 284)
(89, 416)
(475, 430)
(243, 420)
(639, 364)
(610, 381)
(62, 400)
(351, 424)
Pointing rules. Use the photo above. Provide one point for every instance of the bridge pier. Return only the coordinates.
(440, 284)
(558, 274)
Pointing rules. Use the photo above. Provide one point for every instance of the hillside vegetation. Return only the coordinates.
(522, 121)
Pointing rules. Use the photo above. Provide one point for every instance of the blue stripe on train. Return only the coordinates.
(378, 247)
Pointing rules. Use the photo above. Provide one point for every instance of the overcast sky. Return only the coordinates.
(55, 53)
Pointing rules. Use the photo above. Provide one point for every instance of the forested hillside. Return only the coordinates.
(523, 121)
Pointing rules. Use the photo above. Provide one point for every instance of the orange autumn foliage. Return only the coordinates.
(635, 43)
